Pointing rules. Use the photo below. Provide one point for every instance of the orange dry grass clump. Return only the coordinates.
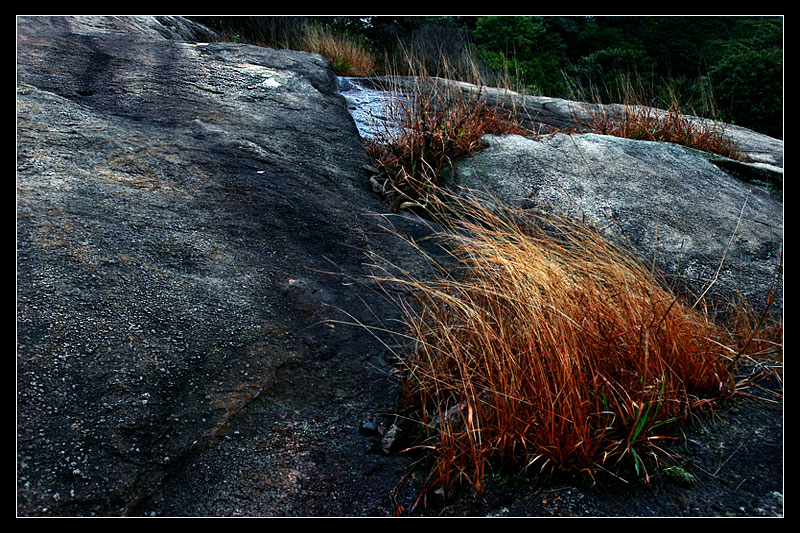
(650, 124)
(546, 344)
(349, 56)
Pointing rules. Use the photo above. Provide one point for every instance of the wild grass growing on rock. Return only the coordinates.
(349, 55)
(546, 345)
(636, 119)
(436, 124)
(651, 124)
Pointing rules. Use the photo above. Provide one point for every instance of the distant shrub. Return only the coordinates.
(612, 74)
(275, 32)
(437, 49)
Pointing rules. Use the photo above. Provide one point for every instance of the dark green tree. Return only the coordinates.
(522, 47)
(748, 88)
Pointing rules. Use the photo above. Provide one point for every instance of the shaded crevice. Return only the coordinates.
(756, 174)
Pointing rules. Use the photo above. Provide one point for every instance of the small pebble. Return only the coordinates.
(368, 427)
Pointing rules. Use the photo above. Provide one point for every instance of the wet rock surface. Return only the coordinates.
(369, 107)
(183, 210)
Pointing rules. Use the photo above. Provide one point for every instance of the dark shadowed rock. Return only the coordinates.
(167, 27)
(700, 225)
(177, 206)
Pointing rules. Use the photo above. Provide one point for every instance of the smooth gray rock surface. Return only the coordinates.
(679, 210)
(157, 27)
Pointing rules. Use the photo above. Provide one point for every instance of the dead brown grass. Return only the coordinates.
(651, 124)
(546, 345)
(349, 56)
(437, 123)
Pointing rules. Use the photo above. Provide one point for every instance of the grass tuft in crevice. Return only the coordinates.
(432, 123)
(546, 345)
(650, 124)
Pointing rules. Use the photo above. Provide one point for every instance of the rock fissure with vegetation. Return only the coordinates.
(207, 306)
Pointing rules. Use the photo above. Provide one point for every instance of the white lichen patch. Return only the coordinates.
(263, 76)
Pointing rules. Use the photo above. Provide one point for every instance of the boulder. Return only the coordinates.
(547, 114)
(680, 209)
(158, 27)
(180, 209)
(166, 27)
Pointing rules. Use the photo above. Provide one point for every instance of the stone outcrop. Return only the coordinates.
(179, 205)
(698, 224)
(544, 114)
(192, 223)
(677, 206)
(156, 27)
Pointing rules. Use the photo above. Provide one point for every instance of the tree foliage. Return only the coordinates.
(748, 85)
